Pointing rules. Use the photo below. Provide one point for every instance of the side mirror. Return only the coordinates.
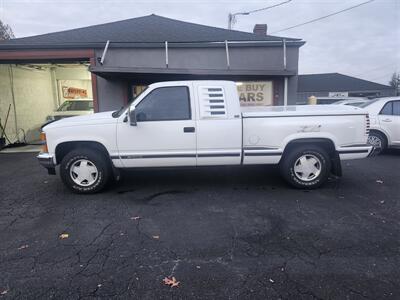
(132, 117)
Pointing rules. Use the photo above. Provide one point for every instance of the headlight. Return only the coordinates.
(50, 118)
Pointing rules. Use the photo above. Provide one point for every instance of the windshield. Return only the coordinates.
(368, 103)
(71, 105)
(118, 112)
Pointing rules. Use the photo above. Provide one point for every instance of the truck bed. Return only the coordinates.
(300, 110)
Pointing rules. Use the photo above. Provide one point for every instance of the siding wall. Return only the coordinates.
(197, 61)
(214, 58)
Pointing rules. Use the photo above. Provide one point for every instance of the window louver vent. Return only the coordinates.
(212, 102)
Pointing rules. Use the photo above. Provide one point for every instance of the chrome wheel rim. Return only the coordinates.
(83, 172)
(375, 141)
(307, 167)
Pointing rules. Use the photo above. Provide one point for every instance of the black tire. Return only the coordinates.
(93, 158)
(290, 159)
(378, 140)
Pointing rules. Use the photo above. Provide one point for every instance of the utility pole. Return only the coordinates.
(232, 18)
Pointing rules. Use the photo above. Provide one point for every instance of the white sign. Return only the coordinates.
(255, 93)
(338, 94)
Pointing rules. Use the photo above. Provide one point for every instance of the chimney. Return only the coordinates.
(260, 29)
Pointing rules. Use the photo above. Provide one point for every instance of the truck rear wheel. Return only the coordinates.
(306, 167)
(84, 171)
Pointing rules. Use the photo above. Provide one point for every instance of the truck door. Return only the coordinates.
(218, 125)
(165, 134)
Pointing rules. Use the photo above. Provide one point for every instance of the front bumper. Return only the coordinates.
(47, 161)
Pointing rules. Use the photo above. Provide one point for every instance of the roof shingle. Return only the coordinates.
(336, 82)
(147, 29)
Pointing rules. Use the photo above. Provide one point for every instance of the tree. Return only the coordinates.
(395, 83)
(6, 32)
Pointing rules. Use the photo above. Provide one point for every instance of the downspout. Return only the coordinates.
(228, 63)
(285, 91)
(11, 76)
(166, 54)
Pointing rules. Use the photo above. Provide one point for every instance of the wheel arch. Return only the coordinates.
(65, 147)
(386, 137)
(325, 143)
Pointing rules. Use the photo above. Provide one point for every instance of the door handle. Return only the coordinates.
(188, 129)
(386, 120)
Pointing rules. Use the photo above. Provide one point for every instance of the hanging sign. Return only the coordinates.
(255, 93)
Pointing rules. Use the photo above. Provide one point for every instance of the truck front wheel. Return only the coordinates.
(84, 171)
(306, 167)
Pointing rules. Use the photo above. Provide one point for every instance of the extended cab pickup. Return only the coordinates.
(201, 123)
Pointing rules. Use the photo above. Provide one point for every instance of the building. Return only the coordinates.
(339, 85)
(112, 62)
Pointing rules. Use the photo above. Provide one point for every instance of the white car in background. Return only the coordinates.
(352, 102)
(71, 108)
(385, 123)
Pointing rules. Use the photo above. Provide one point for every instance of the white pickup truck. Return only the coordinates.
(201, 123)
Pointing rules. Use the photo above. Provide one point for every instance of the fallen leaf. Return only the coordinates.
(64, 236)
(156, 237)
(271, 280)
(383, 201)
(23, 247)
(379, 181)
(171, 282)
(135, 218)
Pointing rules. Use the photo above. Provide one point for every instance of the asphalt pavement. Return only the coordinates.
(223, 233)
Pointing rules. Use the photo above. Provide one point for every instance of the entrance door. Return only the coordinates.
(165, 134)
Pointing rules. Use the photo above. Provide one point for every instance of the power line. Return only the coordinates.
(324, 17)
(268, 7)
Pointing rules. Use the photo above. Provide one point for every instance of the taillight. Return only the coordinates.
(43, 142)
(367, 124)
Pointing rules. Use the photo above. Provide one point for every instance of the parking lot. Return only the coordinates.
(233, 233)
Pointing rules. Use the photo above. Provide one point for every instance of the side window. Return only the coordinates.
(387, 109)
(163, 104)
(396, 108)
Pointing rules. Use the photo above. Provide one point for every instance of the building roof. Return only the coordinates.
(336, 82)
(146, 30)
